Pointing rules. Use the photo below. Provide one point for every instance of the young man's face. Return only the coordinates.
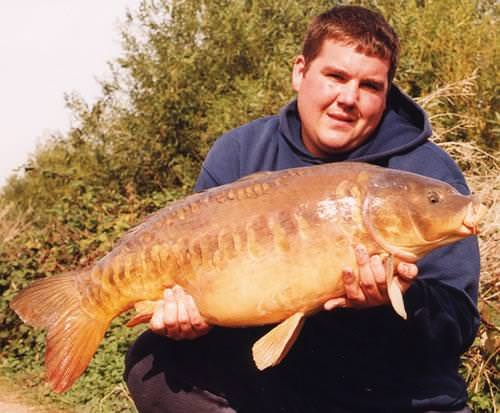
(341, 97)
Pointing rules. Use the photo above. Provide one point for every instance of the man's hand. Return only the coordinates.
(177, 316)
(368, 286)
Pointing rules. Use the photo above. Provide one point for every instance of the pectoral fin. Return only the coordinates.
(270, 349)
(145, 310)
(393, 289)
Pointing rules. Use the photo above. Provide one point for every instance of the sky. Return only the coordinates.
(49, 48)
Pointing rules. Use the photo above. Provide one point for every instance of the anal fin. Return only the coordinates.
(270, 349)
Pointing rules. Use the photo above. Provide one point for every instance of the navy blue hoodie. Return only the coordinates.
(371, 360)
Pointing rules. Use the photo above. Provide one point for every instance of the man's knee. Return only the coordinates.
(139, 372)
(167, 376)
(138, 359)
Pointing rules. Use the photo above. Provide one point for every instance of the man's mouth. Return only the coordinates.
(341, 117)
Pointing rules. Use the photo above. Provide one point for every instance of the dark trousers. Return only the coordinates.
(202, 376)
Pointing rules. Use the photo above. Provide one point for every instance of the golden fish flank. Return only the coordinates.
(269, 248)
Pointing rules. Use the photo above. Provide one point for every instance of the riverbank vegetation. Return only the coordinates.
(189, 71)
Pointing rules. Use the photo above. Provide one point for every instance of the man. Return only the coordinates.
(347, 360)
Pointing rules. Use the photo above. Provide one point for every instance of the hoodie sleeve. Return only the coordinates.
(221, 166)
(441, 303)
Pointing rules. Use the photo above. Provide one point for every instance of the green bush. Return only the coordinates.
(191, 70)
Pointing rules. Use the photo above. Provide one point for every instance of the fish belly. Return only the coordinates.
(269, 285)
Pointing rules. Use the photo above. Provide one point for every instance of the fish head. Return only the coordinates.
(409, 215)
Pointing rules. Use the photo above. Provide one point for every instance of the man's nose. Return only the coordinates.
(348, 94)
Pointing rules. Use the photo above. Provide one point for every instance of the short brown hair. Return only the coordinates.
(353, 25)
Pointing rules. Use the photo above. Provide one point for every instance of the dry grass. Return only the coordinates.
(12, 223)
(447, 123)
(482, 360)
(482, 171)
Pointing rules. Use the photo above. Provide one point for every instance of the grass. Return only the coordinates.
(17, 390)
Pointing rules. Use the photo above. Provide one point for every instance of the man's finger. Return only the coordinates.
(379, 272)
(407, 271)
(367, 277)
(157, 323)
(170, 313)
(333, 303)
(183, 320)
(197, 321)
(351, 285)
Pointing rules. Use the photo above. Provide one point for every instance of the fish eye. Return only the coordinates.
(433, 197)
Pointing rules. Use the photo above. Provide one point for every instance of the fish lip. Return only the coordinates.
(474, 214)
(467, 229)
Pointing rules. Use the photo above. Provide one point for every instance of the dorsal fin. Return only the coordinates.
(256, 175)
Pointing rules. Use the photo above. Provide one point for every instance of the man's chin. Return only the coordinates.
(337, 144)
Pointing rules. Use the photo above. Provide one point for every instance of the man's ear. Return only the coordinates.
(298, 72)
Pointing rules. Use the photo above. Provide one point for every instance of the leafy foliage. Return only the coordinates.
(191, 70)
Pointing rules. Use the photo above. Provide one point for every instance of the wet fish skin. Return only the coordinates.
(265, 249)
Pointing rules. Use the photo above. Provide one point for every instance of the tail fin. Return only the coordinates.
(73, 334)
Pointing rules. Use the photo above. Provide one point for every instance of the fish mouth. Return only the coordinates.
(473, 216)
(465, 230)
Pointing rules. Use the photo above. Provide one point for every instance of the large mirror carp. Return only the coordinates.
(269, 248)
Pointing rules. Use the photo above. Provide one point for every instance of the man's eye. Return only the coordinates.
(372, 86)
(335, 76)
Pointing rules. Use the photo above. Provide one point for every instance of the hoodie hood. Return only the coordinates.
(404, 126)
